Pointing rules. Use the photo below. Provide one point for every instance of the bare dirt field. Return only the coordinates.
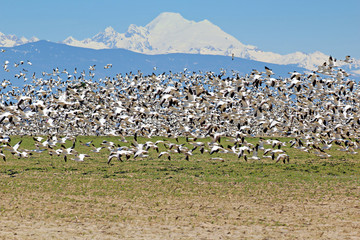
(251, 215)
(47, 198)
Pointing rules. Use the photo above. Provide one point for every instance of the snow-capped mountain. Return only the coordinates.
(168, 33)
(12, 40)
(171, 33)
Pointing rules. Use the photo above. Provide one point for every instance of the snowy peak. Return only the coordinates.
(134, 30)
(109, 37)
(169, 33)
(109, 31)
(167, 21)
(12, 40)
(69, 40)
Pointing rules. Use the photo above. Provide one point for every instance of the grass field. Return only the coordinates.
(43, 197)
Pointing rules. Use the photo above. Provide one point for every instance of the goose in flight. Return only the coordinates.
(13, 149)
(80, 157)
(141, 154)
(165, 154)
(2, 155)
(348, 59)
(255, 155)
(215, 149)
(283, 157)
(87, 144)
(269, 71)
(68, 151)
(96, 150)
(23, 154)
(92, 68)
(107, 66)
(118, 154)
(185, 105)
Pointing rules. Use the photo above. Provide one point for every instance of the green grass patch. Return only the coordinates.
(70, 187)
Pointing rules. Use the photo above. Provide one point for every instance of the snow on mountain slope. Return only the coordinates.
(85, 43)
(171, 33)
(12, 40)
(308, 61)
(168, 33)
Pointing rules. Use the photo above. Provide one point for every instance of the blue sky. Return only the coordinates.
(282, 26)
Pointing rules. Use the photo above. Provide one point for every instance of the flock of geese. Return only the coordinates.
(318, 110)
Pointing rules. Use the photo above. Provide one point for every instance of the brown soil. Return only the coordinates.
(224, 217)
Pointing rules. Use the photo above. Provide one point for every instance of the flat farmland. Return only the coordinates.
(216, 196)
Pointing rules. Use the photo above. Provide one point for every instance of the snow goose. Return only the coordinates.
(2, 155)
(283, 157)
(165, 154)
(80, 157)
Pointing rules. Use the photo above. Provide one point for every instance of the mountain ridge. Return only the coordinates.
(12, 40)
(46, 56)
(171, 33)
